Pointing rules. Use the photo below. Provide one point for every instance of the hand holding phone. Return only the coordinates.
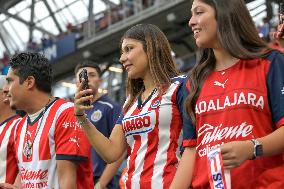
(84, 75)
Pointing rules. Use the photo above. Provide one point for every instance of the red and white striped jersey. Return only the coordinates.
(153, 133)
(8, 165)
(56, 136)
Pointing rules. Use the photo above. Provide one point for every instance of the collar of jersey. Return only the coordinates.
(140, 104)
(41, 113)
(103, 97)
(8, 119)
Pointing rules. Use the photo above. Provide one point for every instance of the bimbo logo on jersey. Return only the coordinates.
(137, 124)
(229, 101)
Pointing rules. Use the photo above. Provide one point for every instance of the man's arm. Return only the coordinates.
(67, 174)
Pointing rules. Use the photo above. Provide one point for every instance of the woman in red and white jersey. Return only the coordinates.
(236, 102)
(150, 126)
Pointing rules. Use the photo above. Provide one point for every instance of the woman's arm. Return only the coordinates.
(183, 176)
(110, 149)
(236, 152)
(110, 171)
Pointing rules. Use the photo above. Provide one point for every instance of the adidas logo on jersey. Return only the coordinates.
(282, 90)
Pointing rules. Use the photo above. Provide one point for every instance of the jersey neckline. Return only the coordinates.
(41, 113)
(140, 104)
(228, 68)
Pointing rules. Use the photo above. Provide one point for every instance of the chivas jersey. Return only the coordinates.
(242, 102)
(54, 135)
(8, 163)
(153, 133)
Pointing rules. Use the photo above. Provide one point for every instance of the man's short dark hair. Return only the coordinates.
(34, 64)
(88, 63)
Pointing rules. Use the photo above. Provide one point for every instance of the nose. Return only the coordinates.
(122, 58)
(191, 22)
(5, 88)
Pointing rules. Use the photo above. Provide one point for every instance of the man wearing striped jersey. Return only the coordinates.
(8, 119)
(51, 148)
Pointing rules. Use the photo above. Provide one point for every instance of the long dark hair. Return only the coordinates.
(161, 63)
(236, 34)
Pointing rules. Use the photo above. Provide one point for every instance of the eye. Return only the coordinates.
(8, 81)
(92, 75)
(198, 12)
(128, 48)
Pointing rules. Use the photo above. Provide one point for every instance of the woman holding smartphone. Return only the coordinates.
(149, 128)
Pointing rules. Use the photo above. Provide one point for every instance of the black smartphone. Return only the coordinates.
(84, 75)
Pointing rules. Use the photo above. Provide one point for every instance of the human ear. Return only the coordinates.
(30, 82)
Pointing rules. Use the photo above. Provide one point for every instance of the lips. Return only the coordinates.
(196, 32)
(6, 100)
(127, 67)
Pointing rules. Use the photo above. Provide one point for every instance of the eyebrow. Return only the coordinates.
(93, 72)
(127, 44)
(195, 8)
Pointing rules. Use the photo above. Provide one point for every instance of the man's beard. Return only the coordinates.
(13, 107)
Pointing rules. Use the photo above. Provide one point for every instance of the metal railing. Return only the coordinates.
(116, 18)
